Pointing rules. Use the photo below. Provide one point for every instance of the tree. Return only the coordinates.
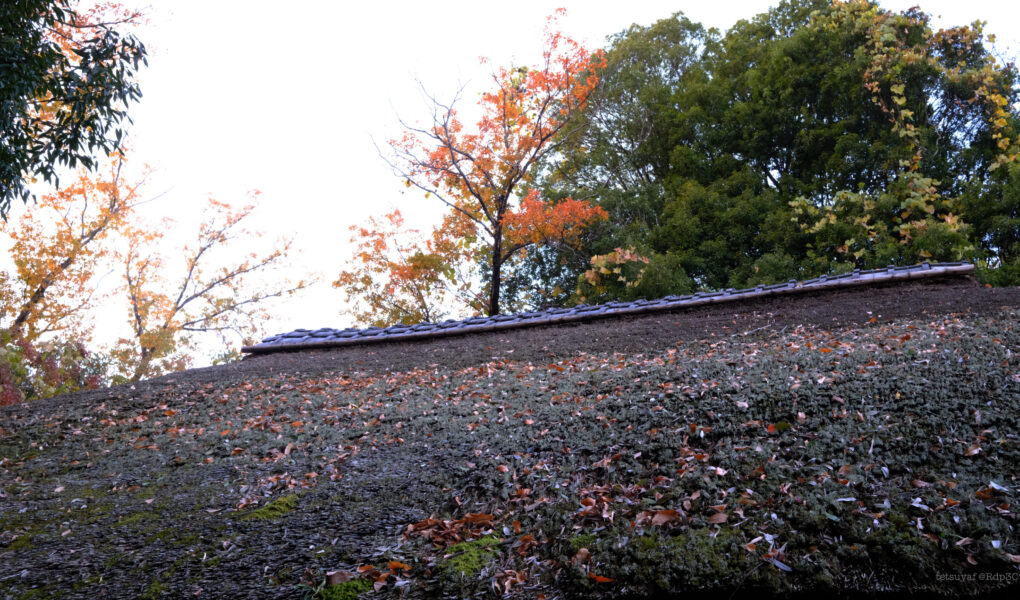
(207, 297)
(626, 275)
(58, 250)
(624, 136)
(945, 99)
(398, 276)
(66, 79)
(750, 157)
(58, 365)
(993, 209)
(482, 176)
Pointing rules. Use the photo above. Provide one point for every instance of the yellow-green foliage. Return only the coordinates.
(469, 557)
(348, 590)
(22, 542)
(582, 541)
(275, 509)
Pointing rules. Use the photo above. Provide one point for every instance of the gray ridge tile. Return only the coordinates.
(326, 336)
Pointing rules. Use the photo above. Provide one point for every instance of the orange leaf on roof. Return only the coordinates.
(663, 517)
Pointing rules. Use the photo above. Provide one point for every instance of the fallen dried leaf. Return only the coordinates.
(338, 577)
(663, 517)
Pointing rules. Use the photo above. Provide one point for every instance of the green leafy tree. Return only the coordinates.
(945, 98)
(992, 207)
(622, 147)
(66, 79)
(623, 274)
(813, 138)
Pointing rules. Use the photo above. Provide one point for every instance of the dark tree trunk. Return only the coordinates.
(26, 311)
(143, 365)
(497, 264)
(38, 294)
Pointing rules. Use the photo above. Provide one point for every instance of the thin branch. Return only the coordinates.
(191, 325)
(431, 190)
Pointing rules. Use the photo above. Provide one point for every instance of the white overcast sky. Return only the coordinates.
(286, 97)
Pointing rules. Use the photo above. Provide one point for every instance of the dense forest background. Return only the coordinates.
(816, 138)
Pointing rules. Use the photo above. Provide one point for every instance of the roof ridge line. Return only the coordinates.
(305, 339)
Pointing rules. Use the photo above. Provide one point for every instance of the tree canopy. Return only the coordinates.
(64, 246)
(67, 78)
(817, 137)
(484, 174)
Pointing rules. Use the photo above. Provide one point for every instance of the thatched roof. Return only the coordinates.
(856, 440)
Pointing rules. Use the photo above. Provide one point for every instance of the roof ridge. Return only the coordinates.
(325, 337)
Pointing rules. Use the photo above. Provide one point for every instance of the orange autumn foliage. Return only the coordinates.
(50, 286)
(481, 173)
(206, 296)
(538, 222)
(397, 275)
(54, 284)
(57, 248)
